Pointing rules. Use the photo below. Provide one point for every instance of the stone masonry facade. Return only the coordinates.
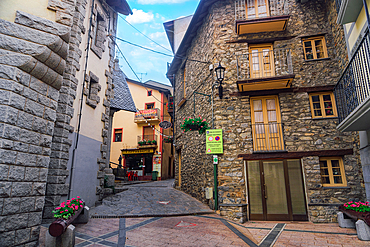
(216, 41)
(38, 65)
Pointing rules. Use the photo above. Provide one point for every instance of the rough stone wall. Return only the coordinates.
(58, 173)
(232, 113)
(33, 58)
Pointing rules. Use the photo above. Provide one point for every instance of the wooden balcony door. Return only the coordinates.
(261, 61)
(148, 133)
(256, 8)
(266, 124)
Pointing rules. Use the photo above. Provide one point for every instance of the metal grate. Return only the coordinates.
(353, 87)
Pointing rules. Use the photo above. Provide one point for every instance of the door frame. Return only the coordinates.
(276, 217)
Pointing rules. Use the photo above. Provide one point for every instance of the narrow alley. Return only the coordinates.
(155, 214)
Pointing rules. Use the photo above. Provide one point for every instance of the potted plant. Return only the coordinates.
(191, 124)
(140, 143)
(170, 106)
(69, 208)
(357, 210)
(154, 142)
(168, 139)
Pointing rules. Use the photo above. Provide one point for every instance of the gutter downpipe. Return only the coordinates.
(214, 166)
(81, 102)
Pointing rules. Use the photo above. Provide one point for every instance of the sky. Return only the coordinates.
(148, 17)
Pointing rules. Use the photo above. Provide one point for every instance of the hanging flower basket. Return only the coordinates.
(357, 210)
(191, 124)
(170, 106)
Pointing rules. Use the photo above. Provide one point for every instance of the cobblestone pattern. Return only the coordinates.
(28, 106)
(216, 40)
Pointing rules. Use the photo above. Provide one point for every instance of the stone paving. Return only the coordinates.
(149, 199)
(118, 227)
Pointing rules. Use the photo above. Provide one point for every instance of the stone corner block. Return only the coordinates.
(345, 222)
(363, 230)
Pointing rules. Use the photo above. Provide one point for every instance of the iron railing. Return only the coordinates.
(147, 138)
(353, 87)
(268, 137)
(246, 9)
(263, 64)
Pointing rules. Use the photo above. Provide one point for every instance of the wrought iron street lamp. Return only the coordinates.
(220, 72)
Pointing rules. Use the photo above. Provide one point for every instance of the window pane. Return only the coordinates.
(270, 104)
(296, 187)
(323, 163)
(338, 180)
(318, 42)
(318, 113)
(254, 181)
(324, 172)
(258, 117)
(335, 163)
(336, 171)
(257, 105)
(315, 98)
(307, 44)
(316, 106)
(320, 54)
(271, 116)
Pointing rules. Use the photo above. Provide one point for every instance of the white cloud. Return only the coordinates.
(157, 35)
(160, 1)
(139, 16)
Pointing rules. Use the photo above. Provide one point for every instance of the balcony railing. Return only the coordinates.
(353, 87)
(253, 16)
(268, 137)
(263, 64)
(147, 115)
(147, 138)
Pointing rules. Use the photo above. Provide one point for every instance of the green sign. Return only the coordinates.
(214, 143)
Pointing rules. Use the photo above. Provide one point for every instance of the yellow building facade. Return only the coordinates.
(137, 137)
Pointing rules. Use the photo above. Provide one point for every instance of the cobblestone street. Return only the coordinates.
(155, 214)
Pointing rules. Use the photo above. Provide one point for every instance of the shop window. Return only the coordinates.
(323, 105)
(117, 136)
(149, 106)
(149, 92)
(332, 172)
(314, 48)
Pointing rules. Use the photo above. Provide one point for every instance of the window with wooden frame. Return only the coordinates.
(149, 105)
(332, 172)
(261, 61)
(266, 124)
(323, 105)
(257, 8)
(314, 48)
(117, 135)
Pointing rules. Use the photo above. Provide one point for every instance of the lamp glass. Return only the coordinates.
(220, 72)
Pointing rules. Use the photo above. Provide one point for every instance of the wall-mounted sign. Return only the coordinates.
(147, 113)
(165, 124)
(214, 143)
(138, 151)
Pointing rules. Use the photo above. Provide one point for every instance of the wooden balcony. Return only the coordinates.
(268, 137)
(255, 16)
(264, 69)
(148, 116)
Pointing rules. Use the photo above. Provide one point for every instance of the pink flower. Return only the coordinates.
(66, 210)
(57, 208)
(199, 115)
(77, 207)
(81, 206)
(78, 196)
(192, 121)
(204, 120)
(73, 198)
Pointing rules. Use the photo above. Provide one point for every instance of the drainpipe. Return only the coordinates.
(81, 103)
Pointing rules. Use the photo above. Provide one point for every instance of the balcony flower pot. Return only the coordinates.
(357, 210)
(168, 139)
(191, 124)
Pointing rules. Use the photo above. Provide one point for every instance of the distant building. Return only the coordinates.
(283, 157)
(137, 136)
(55, 102)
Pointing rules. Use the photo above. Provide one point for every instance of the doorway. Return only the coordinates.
(275, 190)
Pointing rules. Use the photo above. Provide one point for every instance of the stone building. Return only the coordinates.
(55, 92)
(283, 157)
